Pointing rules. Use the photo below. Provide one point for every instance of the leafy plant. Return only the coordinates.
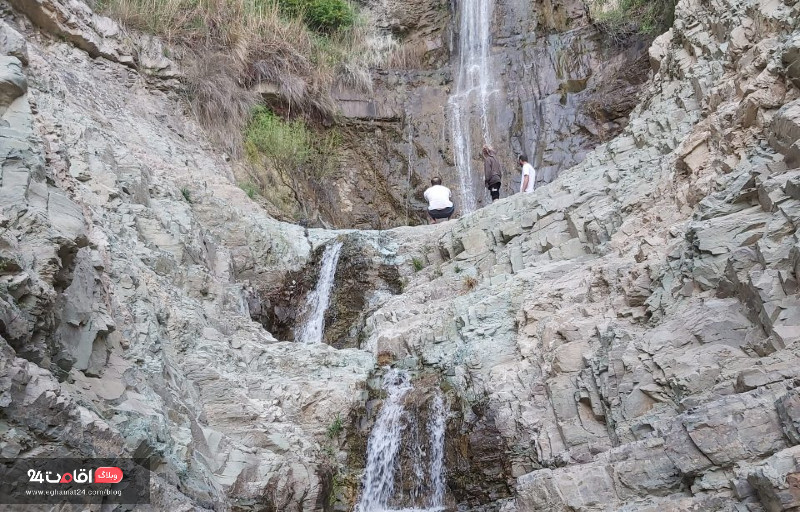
(286, 155)
(336, 427)
(457, 269)
(417, 264)
(286, 143)
(329, 15)
(324, 16)
(186, 194)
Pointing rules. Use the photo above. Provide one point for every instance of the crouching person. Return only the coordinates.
(440, 201)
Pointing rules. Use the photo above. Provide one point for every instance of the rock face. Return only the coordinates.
(124, 300)
(631, 328)
(560, 88)
(625, 338)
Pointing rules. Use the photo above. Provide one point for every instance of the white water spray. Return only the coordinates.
(393, 426)
(384, 444)
(473, 89)
(317, 302)
(436, 427)
(409, 159)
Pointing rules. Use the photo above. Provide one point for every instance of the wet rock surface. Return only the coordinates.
(560, 87)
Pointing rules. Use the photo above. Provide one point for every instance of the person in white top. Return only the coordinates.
(440, 202)
(528, 175)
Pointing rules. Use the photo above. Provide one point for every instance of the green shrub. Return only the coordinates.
(325, 16)
(186, 194)
(287, 144)
(336, 427)
(629, 17)
(417, 264)
(329, 15)
(289, 160)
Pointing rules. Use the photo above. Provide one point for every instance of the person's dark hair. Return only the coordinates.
(522, 158)
(436, 180)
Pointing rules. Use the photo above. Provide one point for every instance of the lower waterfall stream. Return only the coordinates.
(396, 435)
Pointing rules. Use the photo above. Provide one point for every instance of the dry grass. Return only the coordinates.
(470, 283)
(231, 46)
(406, 56)
(621, 19)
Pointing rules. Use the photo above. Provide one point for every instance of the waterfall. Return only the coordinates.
(396, 428)
(409, 159)
(473, 88)
(317, 302)
(436, 426)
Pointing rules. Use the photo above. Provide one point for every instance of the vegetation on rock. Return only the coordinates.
(229, 48)
(288, 159)
(623, 18)
(321, 15)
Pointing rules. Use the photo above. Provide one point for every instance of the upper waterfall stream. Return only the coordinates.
(473, 90)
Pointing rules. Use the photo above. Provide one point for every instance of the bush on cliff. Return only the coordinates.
(623, 18)
(325, 16)
(288, 161)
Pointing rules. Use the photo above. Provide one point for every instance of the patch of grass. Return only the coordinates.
(249, 189)
(336, 427)
(621, 19)
(417, 264)
(187, 195)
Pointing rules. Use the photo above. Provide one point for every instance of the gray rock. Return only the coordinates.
(791, 59)
(12, 43)
(13, 83)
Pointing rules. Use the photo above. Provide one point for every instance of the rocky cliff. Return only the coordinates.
(625, 338)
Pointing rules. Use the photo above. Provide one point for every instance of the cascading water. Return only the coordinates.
(436, 427)
(396, 436)
(317, 302)
(473, 89)
(409, 159)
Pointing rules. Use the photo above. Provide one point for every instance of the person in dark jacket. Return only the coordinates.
(491, 172)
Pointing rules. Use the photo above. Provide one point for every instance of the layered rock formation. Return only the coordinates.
(129, 260)
(559, 86)
(622, 339)
(630, 328)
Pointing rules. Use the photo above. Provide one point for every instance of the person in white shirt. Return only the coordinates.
(440, 202)
(528, 175)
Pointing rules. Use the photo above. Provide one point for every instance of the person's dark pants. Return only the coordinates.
(494, 191)
(442, 213)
